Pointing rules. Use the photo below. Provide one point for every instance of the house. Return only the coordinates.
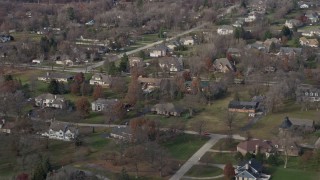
(172, 64)
(167, 109)
(310, 31)
(50, 100)
(243, 107)
(187, 41)
(159, 51)
(225, 30)
(6, 38)
(60, 77)
(308, 94)
(173, 44)
(37, 61)
(251, 17)
(268, 43)
(238, 23)
(101, 79)
(122, 133)
(148, 85)
(293, 23)
(258, 45)
(90, 23)
(135, 61)
(6, 127)
(103, 104)
(304, 6)
(312, 16)
(289, 51)
(65, 62)
(291, 147)
(223, 65)
(61, 131)
(301, 125)
(203, 85)
(250, 170)
(308, 42)
(234, 52)
(255, 146)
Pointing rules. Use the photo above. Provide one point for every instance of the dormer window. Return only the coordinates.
(311, 94)
(315, 94)
(306, 94)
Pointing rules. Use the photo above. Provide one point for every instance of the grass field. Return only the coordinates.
(292, 174)
(218, 158)
(223, 145)
(184, 146)
(204, 171)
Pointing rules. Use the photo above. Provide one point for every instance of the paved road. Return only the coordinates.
(196, 157)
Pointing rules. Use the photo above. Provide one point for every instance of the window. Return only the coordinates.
(316, 94)
(306, 93)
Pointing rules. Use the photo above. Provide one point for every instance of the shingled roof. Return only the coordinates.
(286, 123)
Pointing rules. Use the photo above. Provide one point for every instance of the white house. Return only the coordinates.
(101, 79)
(50, 100)
(61, 77)
(293, 23)
(172, 64)
(66, 62)
(304, 6)
(135, 61)
(225, 30)
(159, 51)
(6, 127)
(187, 41)
(61, 131)
(37, 61)
(251, 17)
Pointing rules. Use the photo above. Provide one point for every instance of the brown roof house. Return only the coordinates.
(293, 149)
(223, 65)
(308, 42)
(159, 51)
(6, 127)
(50, 100)
(244, 107)
(297, 125)
(255, 146)
(135, 61)
(101, 79)
(168, 109)
(148, 85)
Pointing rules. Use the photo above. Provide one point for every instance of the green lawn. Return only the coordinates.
(184, 146)
(279, 173)
(218, 158)
(268, 126)
(204, 171)
(223, 145)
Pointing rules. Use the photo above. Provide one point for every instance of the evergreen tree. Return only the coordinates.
(53, 87)
(112, 69)
(124, 174)
(71, 14)
(267, 35)
(39, 173)
(124, 63)
(286, 32)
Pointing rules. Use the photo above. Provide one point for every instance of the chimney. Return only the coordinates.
(247, 165)
(3, 121)
(48, 73)
(55, 96)
(257, 150)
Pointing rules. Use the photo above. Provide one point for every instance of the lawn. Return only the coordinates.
(218, 158)
(223, 145)
(279, 173)
(204, 171)
(184, 146)
(268, 126)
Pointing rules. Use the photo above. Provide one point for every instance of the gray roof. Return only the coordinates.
(57, 126)
(103, 77)
(223, 62)
(50, 96)
(253, 163)
(286, 123)
(227, 27)
(243, 105)
(168, 107)
(105, 101)
(302, 122)
(172, 61)
(56, 75)
(288, 50)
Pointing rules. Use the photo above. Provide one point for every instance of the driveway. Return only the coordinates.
(196, 157)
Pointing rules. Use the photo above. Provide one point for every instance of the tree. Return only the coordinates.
(286, 32)
(228, 171)
(142, 55)
(236, 96)
(239, 157)
(39, 173)
(97, 92)
(267, 35)
(53, 87)
(124, 63)
(134, 91)
(124, 174)
(112, 69)
(238, 33)
(248, 156)
(230, 118)
(71, 14)
(83, 106)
